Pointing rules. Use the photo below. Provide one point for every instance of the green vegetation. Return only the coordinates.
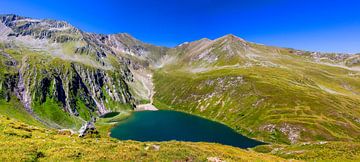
(315, 151)
(104, 124)
(281, 96)
(15, 110)
(50, 145)
(292, 100)
(55, 85)
(51, 112)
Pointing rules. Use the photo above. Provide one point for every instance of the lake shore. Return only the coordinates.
(145, 107)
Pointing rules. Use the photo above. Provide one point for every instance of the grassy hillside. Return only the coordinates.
(276, 96)
(15, 110)
(53, 145)
(315, 151)
(21, 142)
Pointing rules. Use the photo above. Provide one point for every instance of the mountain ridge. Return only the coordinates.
(132, 37)
(66, 77)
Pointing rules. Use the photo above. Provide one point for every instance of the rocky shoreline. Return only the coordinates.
(145, 107)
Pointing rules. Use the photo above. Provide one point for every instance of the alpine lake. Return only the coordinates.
(166, 125)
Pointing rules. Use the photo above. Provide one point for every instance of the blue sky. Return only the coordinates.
(316, 25)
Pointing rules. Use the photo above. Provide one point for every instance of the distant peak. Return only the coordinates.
(202, 40)
(231, 37)
(185, 43)
(124, 34)
(10, 17)
(126, 38)
(205, 39)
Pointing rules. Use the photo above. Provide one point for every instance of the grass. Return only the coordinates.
(83, 111)
(308, 100)
(104, 124)
(51, 112)
(315, 151)
(21, 142)
(15, 109)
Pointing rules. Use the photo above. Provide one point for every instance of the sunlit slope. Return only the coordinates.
(269, 93)
(315, 151)
(21, 142)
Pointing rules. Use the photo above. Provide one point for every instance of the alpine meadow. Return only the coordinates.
(71, 95)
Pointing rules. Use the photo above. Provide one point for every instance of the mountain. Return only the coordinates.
(53, 75)
(64, 76)
(269, 93)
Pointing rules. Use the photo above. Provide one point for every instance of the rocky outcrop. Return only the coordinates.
(87, 128)
(56, 31)
(8, 85)
(86, 74)
(353, 60)
(81, 91)
(75, 82)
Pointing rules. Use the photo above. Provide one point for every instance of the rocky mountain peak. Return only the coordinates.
(125, 38)
(56, 31)
(231, 38)
(7, 18)
(12, 21)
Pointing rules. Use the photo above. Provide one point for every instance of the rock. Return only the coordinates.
(268, 128)
(87, 128)
(153, 147)
(293, 132)
(214, 159)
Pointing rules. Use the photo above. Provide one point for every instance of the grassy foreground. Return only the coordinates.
(21, 142)
(315, 151)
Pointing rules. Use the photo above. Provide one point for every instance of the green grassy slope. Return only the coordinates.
(315, 151)
(15, 109)
(277, 97)
(50, 145)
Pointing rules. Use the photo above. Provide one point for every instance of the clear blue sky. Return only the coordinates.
(317, 25)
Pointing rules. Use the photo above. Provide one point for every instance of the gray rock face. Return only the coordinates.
(57, 31)
(87, 128)
(86, 74)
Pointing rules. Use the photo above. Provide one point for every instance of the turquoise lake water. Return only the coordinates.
(164, 125)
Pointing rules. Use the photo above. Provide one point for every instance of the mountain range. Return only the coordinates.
(55, 75)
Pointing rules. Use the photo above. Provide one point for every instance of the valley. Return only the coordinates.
(56, 78)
